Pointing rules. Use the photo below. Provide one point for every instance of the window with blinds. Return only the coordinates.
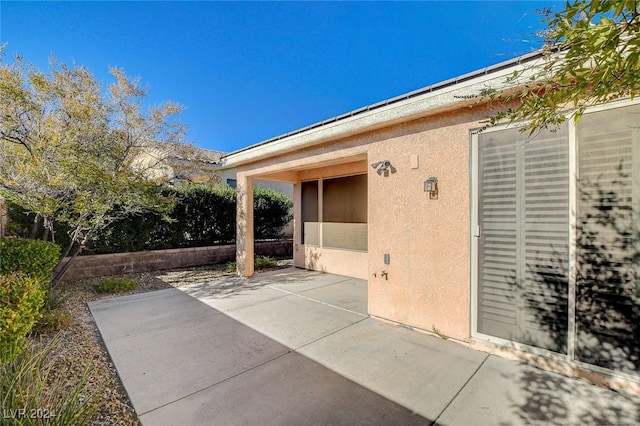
(523, 214)
(607, 233)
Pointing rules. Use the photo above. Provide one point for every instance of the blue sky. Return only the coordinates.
(248, 71)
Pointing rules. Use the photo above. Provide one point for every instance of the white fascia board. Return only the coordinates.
(403, 110)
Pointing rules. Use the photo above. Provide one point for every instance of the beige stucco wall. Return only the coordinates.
(341, 262)
(428, 281)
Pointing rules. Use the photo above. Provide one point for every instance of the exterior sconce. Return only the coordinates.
(431, 186)
(382, 166)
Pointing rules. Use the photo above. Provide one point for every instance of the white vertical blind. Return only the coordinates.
(607, 303)
(523, 245)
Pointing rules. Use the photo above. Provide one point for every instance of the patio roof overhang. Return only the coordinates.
(285, 157)
(441, 97)
(292, 171)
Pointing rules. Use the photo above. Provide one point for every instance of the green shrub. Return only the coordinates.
(272, 212)
(261, 262)
(204, 215)
(137, 232)
(31, 382)
(265, 262)
(21, 298)
(115, 285)
(35, 258)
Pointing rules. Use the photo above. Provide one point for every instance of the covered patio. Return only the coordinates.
(330, 209)
(296, 347)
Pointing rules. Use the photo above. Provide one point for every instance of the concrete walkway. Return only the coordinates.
(294, 347)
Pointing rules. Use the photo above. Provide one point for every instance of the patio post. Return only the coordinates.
(244, 230)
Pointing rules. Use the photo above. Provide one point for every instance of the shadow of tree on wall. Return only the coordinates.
(607, 308)
(312, 259)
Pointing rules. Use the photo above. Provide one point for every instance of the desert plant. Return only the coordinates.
(24, 223)
(232, 266)
(52, 321)
(77, 152)
(115, 285)
(260, 262)
(54, 299)
(265, 262)
(34, 391)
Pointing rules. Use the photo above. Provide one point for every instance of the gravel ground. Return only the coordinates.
(80, 345)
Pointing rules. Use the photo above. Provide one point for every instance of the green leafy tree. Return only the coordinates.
(591, 55)
(78, 154)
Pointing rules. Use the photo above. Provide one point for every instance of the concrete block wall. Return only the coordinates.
(103, 265)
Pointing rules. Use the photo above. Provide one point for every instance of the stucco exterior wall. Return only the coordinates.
(427, 284)
(341, 262)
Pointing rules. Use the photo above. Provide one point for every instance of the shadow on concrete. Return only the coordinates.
(200, 285)
(548, 398)
(213, 369)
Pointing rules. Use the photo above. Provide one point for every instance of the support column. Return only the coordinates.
(298, 226)
(244, 230)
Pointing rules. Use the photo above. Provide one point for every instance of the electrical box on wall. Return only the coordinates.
(414, 161)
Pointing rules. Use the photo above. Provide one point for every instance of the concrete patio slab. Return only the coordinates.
(294, 353)
(506, 392)
(154, 310)
(420, 372)
(290, 390)
(240, 297)
(350, 295)
(164, 364)
(296, 280)
(295, 321)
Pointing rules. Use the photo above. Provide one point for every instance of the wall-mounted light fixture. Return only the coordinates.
(382, 166)
(431, 186)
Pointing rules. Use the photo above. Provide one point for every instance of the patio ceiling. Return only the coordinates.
(293, 174)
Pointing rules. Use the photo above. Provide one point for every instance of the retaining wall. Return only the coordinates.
(103, 265)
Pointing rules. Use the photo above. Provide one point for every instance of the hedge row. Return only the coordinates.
(203, 216)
